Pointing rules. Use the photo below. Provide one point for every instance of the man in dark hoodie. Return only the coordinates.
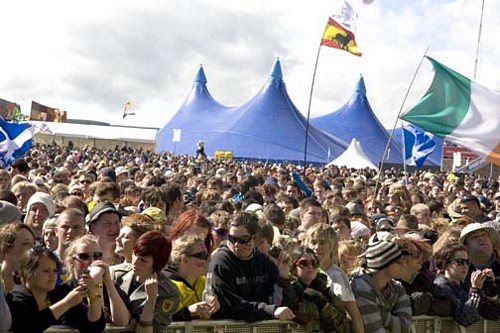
(250, 285)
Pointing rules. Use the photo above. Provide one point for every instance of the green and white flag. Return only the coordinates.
(460, 111)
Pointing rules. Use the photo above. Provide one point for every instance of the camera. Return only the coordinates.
(274, 251)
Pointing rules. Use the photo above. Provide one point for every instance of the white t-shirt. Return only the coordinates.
(339, 284)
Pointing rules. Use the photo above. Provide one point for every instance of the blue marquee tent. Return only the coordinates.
(267, 127)
(356, 120)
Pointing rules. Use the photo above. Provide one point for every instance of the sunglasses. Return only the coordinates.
(88, 256)
(200, 255)
(467, 198)
(85, 182)
(303, 263)
(386, 229)
(220, 231)
(79, 194)
(242, 239)
(461, 262)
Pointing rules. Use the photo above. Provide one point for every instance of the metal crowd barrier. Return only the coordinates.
(421, 324)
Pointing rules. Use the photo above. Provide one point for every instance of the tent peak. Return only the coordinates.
(276, 72)
(360, 87)
(200, 76)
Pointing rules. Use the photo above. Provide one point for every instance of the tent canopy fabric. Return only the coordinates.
(267, 127)
(353, 157)
(356, 120)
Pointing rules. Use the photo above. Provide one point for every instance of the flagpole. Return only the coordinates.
(403, 143)
(309, 106)
(381, 169)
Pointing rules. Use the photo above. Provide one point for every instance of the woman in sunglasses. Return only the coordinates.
(315, 302)
(153, 297)
(187, 270)
(36, 305)
(468, 305)
(83, 258)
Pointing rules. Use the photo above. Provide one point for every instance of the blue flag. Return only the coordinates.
(418, 145)
(15, 140)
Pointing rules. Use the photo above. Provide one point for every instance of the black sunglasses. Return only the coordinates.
(220, 231)
(85, 182)
(200, 255)
(87, 256)
(303, 263)
(242, 239)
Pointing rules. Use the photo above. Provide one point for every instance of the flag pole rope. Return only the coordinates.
(309, 108)
(381, 168)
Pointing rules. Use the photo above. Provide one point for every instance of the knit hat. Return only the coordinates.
(359, 230)
(101, 208)
(382, 250)
(8, 213)
(44, 198)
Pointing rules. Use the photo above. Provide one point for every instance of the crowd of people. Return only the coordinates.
(94, 237)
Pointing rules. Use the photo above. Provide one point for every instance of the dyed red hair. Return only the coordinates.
(154, 244)
(188, 219)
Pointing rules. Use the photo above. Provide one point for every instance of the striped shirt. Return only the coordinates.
(386, 311)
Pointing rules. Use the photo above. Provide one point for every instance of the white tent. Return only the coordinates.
(353, 157)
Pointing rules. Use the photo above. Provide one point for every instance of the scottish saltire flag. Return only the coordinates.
(418, 145)
(15, 140)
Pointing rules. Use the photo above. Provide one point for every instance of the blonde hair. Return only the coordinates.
(349, 248)
(326, 232)
(181, 246)
(71, 250)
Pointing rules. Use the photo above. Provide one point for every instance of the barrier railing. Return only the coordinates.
(421, 324)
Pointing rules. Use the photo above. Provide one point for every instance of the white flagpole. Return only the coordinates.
(381, 169)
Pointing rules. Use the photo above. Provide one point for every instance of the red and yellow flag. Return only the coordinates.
(338, 37)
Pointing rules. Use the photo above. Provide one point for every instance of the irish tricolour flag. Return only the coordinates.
(460, 111)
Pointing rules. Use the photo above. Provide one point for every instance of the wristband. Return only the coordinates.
(143, 323)
(91, 299)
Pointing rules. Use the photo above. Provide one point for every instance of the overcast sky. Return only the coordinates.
(89, 57)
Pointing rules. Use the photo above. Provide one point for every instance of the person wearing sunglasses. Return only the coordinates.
(220, 227)
(38, 304)
(187, 269)
(383, 301)
(468, 304)
(245, 279)
(84, 258)
(469, 205)
(315, 301)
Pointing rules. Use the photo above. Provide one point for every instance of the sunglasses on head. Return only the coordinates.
(303, 263)
(241, 239)
(220, 231)
(200, 255)
(461, 262)
(88, 256)
(467, 198)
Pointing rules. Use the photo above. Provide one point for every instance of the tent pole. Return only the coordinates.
(309, 107)
(381, 168)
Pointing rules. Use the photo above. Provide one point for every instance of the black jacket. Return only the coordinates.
(27, 318)
(249, 290)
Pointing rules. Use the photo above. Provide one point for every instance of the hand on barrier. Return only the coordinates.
(283, 313)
